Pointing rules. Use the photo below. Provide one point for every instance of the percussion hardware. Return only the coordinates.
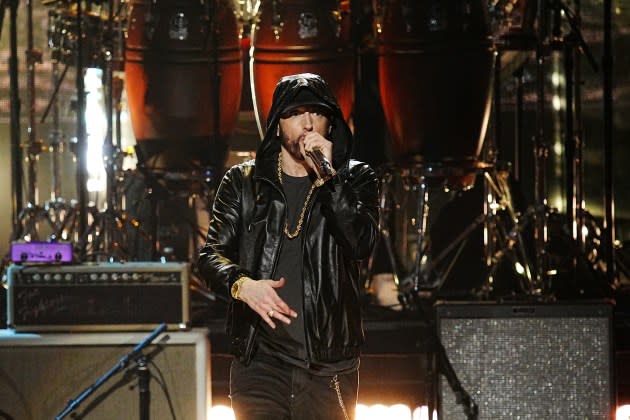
(32, 214)
(101, 235)
(294, 37)
(276, 19)
(17, 172)
(247, 14)
(420, 47)
(34, 148)
(307, 25)
(338, 16)
(550, 38)
(501, 240)
(63, 33)
(55, 137)
(384, 223)
(430, 268)
(378, 7)
(189, 62)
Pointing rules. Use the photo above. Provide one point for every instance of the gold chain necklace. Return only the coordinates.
(303, 212)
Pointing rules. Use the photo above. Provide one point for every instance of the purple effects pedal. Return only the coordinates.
(41, 252)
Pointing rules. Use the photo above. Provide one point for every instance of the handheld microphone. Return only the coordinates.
(326, 170)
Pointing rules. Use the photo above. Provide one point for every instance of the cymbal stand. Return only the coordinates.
(499, 242)
(62, 216)
(541, 153)
(105, 236)
(609, 191)
(32, 214)
(420, 276)
(502, 240)
(17, 174)
(417, 280)
(81, 174)
(568, 45)
(386, 204)
(502, 235)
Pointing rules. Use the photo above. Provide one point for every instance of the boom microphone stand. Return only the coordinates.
(142, 372)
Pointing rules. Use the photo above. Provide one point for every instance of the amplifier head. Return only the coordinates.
(98, 296)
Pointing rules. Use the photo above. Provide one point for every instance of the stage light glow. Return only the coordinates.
(96, 128)
(393, 412)
(623, 412)
(221, 412)
(555, 78)
(380, 411)
(399, 411)
(422, 413)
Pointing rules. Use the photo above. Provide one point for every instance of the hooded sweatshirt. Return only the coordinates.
(245, 236)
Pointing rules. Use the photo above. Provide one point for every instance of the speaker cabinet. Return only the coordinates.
(542, 361)
(39, 374)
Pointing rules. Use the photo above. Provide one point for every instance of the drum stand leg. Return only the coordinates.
(419, 284)
(501, 243)
(420, 280)
(502, 239)
(61, 215)
(32, 214)
(107, 235)
(385, 204)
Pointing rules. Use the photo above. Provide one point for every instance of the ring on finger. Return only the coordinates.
(270, 313)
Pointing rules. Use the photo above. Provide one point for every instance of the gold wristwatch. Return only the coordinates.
(235, 290)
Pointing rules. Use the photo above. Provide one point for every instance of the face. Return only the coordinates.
(299, 121)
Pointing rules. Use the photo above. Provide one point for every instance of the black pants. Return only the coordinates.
(273, 390)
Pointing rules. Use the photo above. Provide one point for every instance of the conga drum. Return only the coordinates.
(183, 78)
(300, 36)
(435, 71)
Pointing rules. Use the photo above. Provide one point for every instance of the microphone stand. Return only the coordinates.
(444, 367)
(143, 377)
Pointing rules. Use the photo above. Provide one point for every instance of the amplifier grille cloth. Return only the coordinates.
(529, 368)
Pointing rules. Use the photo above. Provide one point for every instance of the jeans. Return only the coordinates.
(275, 390)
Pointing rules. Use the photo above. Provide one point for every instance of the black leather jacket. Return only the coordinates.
(340, 228)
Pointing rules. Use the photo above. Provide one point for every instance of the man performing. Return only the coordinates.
(287, 234)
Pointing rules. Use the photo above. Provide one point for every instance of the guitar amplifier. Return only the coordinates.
(98, 297)
(529, 361)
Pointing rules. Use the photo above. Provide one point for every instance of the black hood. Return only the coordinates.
(285, 96)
